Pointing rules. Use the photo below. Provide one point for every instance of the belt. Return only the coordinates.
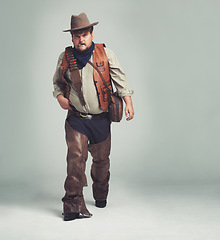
(87, 115)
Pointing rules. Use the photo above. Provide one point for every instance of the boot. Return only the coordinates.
(100, 168)
(76, 179)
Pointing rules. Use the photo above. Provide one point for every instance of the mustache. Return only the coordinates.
(80, 44)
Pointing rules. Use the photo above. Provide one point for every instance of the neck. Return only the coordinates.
(83, 57)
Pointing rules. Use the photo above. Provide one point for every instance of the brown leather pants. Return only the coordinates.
(77, 154)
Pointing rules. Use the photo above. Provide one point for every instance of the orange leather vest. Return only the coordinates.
(100, 61)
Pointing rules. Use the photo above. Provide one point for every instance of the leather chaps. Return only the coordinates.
(77, 155)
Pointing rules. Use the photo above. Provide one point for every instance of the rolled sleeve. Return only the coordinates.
(117, 75)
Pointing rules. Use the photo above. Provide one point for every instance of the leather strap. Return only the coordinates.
(104, 82)
(64, 85)
(77, 84)
(100, 74)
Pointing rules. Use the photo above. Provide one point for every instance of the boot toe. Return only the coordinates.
(70, 216)
(100, 203)
(85, 215)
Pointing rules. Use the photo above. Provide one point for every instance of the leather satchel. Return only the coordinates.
(115, 108)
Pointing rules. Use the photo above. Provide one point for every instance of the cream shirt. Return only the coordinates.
(88, 87)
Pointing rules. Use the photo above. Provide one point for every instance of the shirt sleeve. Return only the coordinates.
(57, 77)
(117, 75)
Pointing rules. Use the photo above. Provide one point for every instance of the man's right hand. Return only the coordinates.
(64, 102)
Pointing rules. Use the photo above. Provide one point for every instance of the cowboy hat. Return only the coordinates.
(79, 22)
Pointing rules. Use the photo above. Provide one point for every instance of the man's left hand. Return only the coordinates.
(129, 110)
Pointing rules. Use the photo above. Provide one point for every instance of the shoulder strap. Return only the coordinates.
(103, 80)
(75, 76)
(63, 83)
(71, 58)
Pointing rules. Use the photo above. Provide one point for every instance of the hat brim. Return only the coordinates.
(80, 28)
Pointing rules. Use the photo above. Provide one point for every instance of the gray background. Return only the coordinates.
(170, 53)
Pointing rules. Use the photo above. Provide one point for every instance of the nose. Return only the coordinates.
(81, 38)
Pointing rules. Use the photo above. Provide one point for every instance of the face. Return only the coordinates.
(82, 41)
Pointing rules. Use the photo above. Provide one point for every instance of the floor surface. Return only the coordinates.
(153, 213)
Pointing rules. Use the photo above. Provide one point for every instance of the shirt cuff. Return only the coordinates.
(125, 93)
(56, 93)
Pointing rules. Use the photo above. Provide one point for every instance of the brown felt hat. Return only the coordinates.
(79, 22)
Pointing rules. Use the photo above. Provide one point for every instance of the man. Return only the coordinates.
(81, 90)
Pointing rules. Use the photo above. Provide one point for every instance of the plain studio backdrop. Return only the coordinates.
(169, 50)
